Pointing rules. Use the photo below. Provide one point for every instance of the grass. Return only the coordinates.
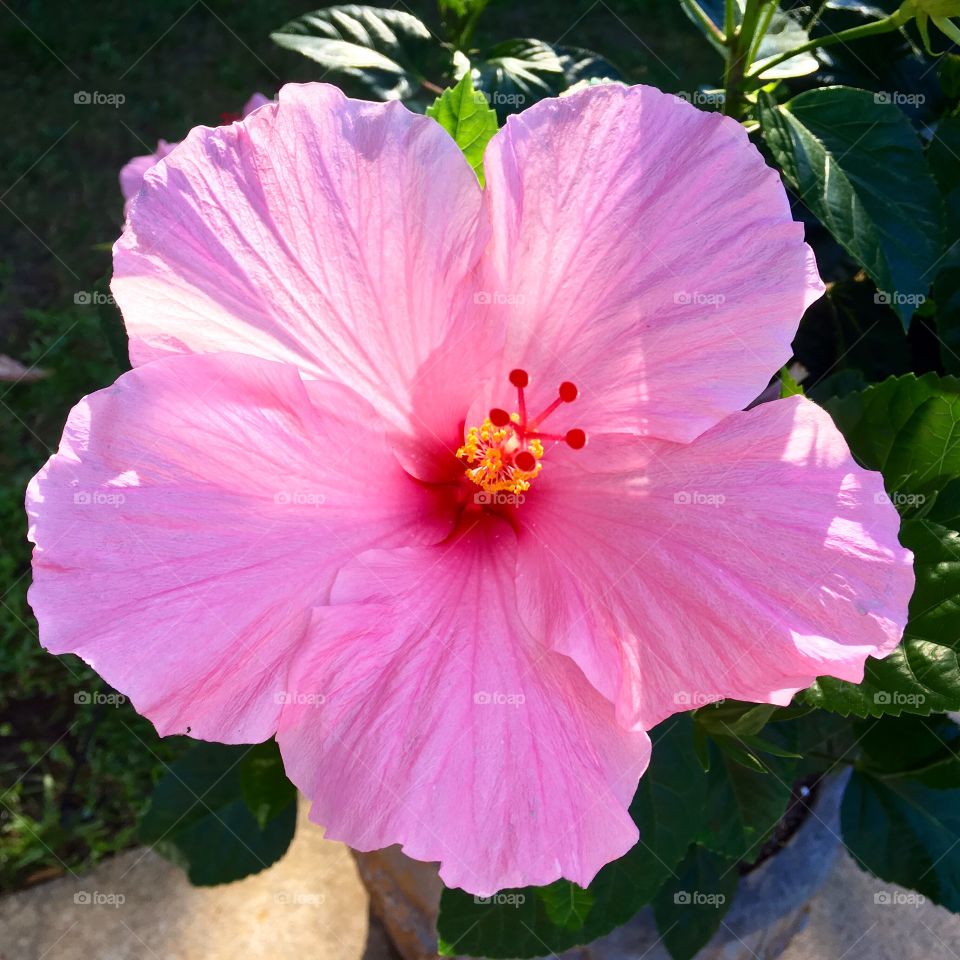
(75, 769)
(75, 774)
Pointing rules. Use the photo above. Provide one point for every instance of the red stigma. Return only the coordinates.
(529, 428)
(503, 454)
(525, 461)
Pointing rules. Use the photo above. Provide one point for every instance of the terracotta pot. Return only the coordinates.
(771, 906)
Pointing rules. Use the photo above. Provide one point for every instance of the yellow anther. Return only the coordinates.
(489, 451)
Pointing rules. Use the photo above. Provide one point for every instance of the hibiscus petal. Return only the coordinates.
(256, 101)
(426, 715)
(133, 172)
(329, 233)
(194, 512)
(743, 565)
(642, 249)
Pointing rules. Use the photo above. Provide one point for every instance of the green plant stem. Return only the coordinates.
(701, 17)
(469, 25)
(886, 25)
(926, 768)
(764, 25)
(729, 18)
(739, 44)
(815, 16)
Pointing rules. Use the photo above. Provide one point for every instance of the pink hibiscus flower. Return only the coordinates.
(345, 495)
(133, 172)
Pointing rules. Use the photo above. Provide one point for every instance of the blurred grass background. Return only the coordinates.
(76, 769)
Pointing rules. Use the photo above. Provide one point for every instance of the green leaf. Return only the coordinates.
(943, 153)
(743, 805)
(883, 422)
(918, 677)
(925, 749)
(517, 73)
(859, 166)
(667, 808)
(689, 909)
(905, 833)
(824, 740)
(788, 386)
(584, 66)
(946, 286)
(761, 745)
(198, 818)
(737, 751)
(465, 114)
(734, 727)
(909, 429)
(264, 785)
(567, 904)
(387, 53)
(733, 717)
(784, 33)
(948, 72)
